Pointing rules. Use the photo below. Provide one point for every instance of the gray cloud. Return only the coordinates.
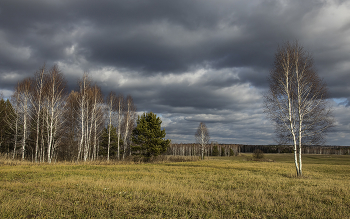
(188, 61)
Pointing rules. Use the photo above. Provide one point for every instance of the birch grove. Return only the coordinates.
(297, 101)
(90, 107)
(47, 124)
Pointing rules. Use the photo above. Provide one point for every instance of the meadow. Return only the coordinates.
(220, 187)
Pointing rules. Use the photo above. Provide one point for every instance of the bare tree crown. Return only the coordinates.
(297, 100)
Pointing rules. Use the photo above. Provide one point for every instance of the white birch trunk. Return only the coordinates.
(109, 131)
(16, 126)
(24, 126)
(119, 125)
(38, 114)
(82, 115)
(126, 129)
(87, 136)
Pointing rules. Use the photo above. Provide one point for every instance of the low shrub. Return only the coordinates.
(258, 154)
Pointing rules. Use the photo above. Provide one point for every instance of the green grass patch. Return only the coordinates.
(222, 187)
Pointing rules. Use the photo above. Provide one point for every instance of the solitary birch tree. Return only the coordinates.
(202, 137)
(297, 100)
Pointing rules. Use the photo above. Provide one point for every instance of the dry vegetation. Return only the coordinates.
(212, 188)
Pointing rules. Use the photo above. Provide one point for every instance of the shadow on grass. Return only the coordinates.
(294, 176)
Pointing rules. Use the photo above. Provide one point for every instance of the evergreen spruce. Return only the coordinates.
(215, 151)
(114, 143)
(231, 152)
(223, 152)
(148, 136)
(6, 133)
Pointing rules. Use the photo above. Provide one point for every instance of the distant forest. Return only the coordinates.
(215, 149)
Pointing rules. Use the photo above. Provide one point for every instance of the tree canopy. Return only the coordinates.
(148, 136)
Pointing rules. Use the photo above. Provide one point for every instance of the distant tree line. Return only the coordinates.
(307, 149)
(42, 122)
(214, 149)
(197, 149)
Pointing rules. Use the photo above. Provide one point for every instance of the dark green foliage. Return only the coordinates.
(215, 151)
(222, 152)
(113, 150)
(231, 152)
(6, 131)
(287, 150)
(148, 136)
(258, 154)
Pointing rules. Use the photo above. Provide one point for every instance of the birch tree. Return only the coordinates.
(88, 109)
(297, 101)
(84, 85)
(202, 137)
(55, 100)
(38, 90)
(98, 129)
(96, 118)
(129, 122)
(120, 110)
(111, 105)
(23, 90)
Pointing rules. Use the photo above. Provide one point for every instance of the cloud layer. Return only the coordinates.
(187, 61)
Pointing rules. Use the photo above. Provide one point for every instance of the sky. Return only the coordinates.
(188, 61)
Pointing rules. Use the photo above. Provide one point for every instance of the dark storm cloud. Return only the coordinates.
(188, 61)
(154, 36)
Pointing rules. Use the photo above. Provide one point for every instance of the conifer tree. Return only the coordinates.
(110, 136)
(231, 152)
(149, 137)
(215, 151)
(223, 152)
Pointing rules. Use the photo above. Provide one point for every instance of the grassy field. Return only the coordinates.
(234, 187)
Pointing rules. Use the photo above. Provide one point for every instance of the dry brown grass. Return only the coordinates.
(214, 188)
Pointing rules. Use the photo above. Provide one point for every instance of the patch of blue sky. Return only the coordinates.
(341, 101)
